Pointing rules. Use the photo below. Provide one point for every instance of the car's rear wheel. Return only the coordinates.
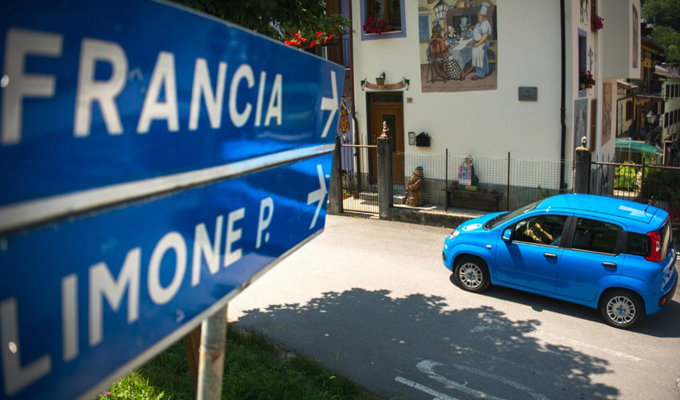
(472, 274)
(622, 308)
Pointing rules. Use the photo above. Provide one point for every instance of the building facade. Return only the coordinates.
(488, 78)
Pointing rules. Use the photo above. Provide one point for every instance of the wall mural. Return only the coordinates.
(458, 45)
(584, 12)
(580, 121)
(606, 112)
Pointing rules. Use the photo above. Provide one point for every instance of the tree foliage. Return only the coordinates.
(275, 18)
(662, 13)
(665, 16)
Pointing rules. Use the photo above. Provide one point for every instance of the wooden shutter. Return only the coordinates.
(593, 13)
(593, 125)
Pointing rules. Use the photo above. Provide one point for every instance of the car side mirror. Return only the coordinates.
(507, 235)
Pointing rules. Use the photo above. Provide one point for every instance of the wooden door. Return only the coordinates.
(387, 107)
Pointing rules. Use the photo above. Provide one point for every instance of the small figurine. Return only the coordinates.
(466, 173)
(343, 126)
(416, 185)
(385, 129)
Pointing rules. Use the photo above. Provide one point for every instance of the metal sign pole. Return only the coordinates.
(211, 361)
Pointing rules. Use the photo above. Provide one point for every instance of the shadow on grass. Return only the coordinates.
(397, 345)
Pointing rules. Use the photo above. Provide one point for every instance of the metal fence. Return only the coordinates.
(519, 181)
(359, 178)
(643, 183)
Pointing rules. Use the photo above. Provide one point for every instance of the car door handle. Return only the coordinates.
(609, 264)
(549, 255)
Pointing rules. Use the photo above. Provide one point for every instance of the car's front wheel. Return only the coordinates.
(622, 308)
(472, 274)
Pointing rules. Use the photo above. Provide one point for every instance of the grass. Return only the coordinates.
(253, 369)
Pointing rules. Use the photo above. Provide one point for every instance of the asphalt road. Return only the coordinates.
(372, 300)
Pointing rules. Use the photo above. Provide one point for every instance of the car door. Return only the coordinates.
(532, 256)
(591, 256)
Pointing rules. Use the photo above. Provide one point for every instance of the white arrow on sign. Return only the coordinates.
(317, 195)
(330, 104)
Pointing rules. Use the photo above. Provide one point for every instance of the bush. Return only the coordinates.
(626, 178)
(664, 185)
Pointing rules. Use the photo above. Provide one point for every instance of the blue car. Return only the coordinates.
(613, 255)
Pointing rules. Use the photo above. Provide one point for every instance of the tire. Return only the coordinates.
(472, 274)
(622, 308)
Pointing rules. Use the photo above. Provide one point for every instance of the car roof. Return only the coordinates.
(636, 216)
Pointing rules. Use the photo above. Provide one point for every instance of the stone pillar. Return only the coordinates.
(335, 190)
(581, 168)
(385, 188)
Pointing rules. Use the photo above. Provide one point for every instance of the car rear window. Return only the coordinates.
(593, 235)
(638, 245)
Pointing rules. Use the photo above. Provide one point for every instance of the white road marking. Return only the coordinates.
(557, 380)
(497, 325)
(427, 367)
(530, 391)
(590, 346)
(423, 388)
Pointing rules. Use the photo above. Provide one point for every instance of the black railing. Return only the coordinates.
(643, 183)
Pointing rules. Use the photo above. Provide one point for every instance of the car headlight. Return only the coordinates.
(454, 234)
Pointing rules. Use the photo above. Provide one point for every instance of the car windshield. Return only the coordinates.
(494, 222)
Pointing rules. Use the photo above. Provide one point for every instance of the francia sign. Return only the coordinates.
(153, 163)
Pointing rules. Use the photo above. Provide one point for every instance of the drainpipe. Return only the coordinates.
(351, 77)
(563, 109)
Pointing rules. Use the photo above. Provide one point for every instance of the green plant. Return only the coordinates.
(663, 185)
(541, 194)
(254, 368)
(625, 178)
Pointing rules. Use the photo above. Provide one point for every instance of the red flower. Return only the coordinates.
(372, 25)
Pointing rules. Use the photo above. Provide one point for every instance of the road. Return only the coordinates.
(372, 300)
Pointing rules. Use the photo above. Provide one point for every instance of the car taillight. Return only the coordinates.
(655, 253)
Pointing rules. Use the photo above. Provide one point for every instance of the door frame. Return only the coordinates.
(379, 104)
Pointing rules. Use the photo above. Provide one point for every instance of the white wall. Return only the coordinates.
(494, 122)
(618, 38)
(490, 122)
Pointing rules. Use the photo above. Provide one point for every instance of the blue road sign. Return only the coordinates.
(106, 92)
(153, 163)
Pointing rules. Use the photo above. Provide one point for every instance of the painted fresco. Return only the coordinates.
(636, 39)
(458, 45)
(580, 121)
(584, 12)
(606, 112)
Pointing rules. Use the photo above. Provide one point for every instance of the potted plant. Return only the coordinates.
(375, 26)
(586, 80)
(381, 79)
(322, 39)
(596, 22)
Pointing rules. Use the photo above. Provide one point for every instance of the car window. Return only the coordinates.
(638, 244)
(594, 235)
(541, 229)
(494, 222)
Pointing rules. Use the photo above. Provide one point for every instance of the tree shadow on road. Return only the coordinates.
(418, 346)
(665, 324)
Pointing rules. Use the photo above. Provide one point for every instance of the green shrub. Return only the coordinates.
(625, 178)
